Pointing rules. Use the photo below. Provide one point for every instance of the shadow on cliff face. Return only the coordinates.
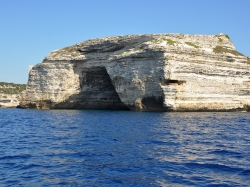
(112, 45)
(150, 103)
(153, 103)
(97, 91)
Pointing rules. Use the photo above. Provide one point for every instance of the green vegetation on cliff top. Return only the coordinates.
(192, 44)
(11, 88)
(227, 36)
(169, 41)
(221, 35)
(67, 50)
(220, 49)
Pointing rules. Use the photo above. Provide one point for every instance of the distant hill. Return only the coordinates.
(10, 94)
(11, 88)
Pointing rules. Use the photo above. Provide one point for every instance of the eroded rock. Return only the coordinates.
(162, 72)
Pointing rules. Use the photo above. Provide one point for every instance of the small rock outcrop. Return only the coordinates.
(161, 72)
(10, 94)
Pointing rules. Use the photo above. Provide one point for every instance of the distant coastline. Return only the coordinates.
(10, 94)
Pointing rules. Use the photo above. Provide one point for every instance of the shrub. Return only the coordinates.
(220, 40)
(169, 41)
(227, 36)
(220, 49)
(219, 35)
(191, 44)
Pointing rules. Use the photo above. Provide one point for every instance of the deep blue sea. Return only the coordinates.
(123, 148)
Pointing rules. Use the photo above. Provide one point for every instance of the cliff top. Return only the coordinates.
(118, 45)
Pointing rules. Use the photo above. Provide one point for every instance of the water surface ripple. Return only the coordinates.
(122, 148)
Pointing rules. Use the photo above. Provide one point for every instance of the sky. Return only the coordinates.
(29, 30)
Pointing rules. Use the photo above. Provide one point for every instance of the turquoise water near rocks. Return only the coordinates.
(123, 148)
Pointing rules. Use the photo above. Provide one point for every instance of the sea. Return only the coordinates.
(123, 148)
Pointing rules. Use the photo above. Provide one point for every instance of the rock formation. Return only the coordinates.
(161, 72)
(10, 94)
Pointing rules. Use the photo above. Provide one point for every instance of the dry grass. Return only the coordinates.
(169, 41)
(220, 49)
(192, 44)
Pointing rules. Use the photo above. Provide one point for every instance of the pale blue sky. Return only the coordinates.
(32, 29)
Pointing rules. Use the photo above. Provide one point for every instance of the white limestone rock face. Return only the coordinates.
(10, 94)
(162, 72)
(9, 100)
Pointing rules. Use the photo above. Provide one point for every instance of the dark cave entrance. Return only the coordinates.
(172, 82)
(97, 91)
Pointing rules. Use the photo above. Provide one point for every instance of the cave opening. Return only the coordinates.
(96, 91)
(173, 82)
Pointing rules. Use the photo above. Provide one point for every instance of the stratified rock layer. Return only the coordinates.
(163, 72)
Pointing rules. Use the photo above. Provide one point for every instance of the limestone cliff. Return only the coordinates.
(161, 72)
(10, 94)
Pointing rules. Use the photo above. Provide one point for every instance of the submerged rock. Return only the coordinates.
(161, 72)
